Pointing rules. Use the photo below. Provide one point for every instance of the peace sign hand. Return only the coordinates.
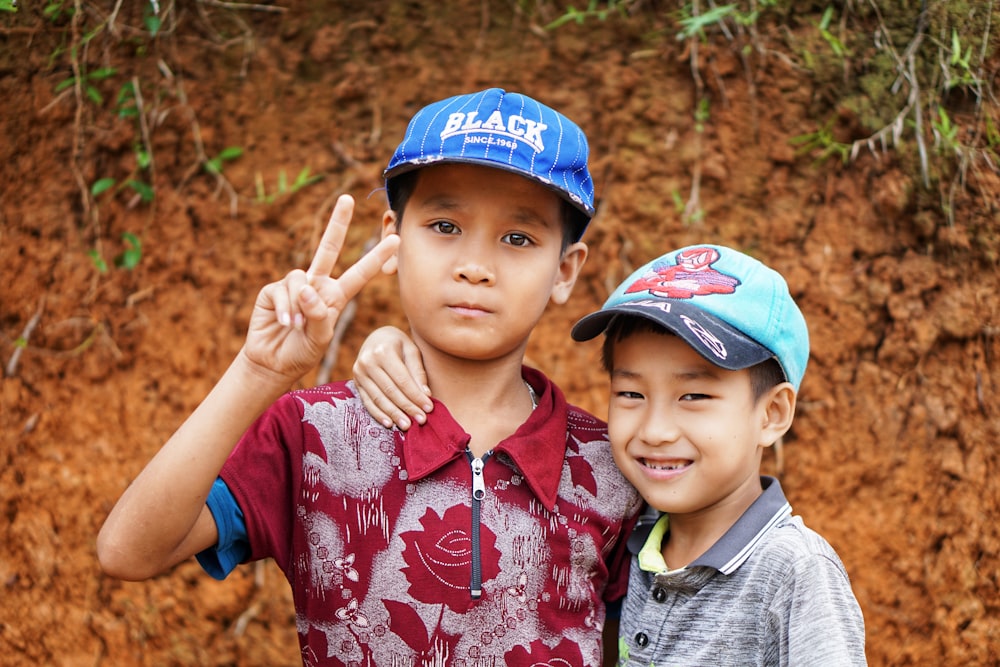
(293, 319)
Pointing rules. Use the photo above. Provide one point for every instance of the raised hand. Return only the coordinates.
(293, 319)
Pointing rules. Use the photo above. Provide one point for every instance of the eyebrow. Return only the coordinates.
(443, 201)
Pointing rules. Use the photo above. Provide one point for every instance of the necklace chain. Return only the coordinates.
(532, 394)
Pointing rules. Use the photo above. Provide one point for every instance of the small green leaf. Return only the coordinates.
(153, 24)
(143, 158)
(231, 153)
(64, 84)
(101, 185)
(130, 258)
(144, 189)
(93, 94)
(98, 261)
(101, 73)
(214, 166)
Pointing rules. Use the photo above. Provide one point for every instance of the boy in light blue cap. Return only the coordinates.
(495, 533)
(706, 350)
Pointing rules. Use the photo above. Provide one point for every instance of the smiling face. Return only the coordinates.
(688, 434)
(480, 257)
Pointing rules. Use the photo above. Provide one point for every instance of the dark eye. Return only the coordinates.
(630, 395)
(445, 227)
(515, 239)
(694, 397)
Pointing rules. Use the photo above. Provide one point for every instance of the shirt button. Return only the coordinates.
(641, 640)
(660, 594)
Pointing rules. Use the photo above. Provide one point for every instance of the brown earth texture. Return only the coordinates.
(120, 307)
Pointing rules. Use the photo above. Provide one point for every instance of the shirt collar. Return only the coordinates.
(537, 448)
(733, 548)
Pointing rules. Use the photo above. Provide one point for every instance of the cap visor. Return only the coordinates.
(712, 338)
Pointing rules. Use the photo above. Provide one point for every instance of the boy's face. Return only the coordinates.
(686, 433)
(480, 258)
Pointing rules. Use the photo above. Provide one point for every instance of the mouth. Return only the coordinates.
(672, 465)
(469, 309)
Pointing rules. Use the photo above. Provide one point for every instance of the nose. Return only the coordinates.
(659, 427)
(474, 273)
(475, 265)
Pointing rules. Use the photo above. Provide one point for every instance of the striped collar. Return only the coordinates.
(732, 549)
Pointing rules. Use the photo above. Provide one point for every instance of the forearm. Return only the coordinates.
(161, 519)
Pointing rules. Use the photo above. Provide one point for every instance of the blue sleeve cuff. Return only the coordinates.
(233, 546)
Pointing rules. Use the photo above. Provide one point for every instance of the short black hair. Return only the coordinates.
(763, 376)
(399, 188)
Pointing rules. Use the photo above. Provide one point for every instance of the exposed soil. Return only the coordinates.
(893, 456)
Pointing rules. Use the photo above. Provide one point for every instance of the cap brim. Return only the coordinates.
(712, 338)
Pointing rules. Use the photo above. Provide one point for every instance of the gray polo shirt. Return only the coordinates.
(769, 592)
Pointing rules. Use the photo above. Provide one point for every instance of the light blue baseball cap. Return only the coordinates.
(510, 131)
(732, 309)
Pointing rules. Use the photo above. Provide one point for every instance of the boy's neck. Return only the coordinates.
(489, 399)
(691, 535)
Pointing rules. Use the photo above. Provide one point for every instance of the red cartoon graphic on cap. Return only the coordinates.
(692, 275)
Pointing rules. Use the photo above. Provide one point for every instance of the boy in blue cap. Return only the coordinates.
(491, 535)
(706, 350)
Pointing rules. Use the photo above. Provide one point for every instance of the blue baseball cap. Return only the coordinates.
(508, 131)
(732, 309)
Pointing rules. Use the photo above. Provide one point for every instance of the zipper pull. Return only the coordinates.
(478, 485)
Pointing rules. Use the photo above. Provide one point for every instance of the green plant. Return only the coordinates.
(143, 190)
(102, 185)
(960, 69)
(945, 132)
(821, 140)
(55, 10)
(97, 260)
(130, 257)
(693, 25)
(304, 179)
(127, 259)
(675, 195)
(214, 165)
(838, 47)
(592, 11)
(151, 17)
(701, 114)
(8, 5)
(86, 82)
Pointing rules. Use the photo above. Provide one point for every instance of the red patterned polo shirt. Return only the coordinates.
(394, 560)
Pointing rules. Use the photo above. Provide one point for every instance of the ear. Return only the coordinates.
(777, 411)
(570, 263)
(388, 229)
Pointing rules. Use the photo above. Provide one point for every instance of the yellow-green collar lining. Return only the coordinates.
(651, 554)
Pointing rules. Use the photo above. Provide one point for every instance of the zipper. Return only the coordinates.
(478, 493)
